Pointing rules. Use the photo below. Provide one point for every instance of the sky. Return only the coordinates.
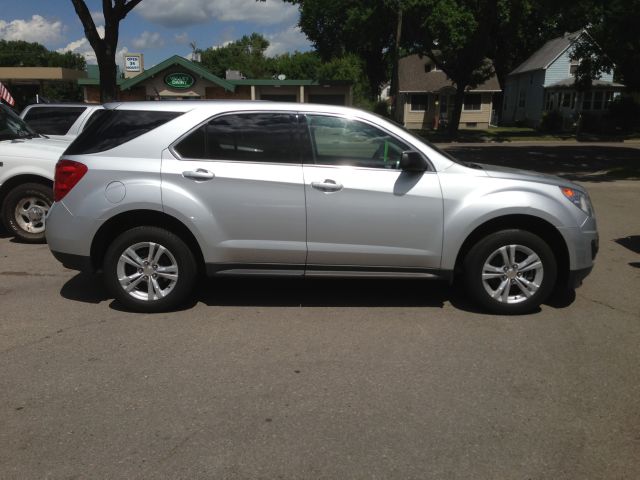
(156, 28)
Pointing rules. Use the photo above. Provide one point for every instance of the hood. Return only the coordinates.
(47, 148)
(495, 171)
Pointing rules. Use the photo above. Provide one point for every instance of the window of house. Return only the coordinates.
(251, 137)
(566, 99)
(473, 101)
(522, 98)
(419, 102)
(573, 67)
(597, 100)
(342, 141)
(574, 96)
(586, 101)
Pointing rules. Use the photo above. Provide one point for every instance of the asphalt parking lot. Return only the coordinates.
(332, 379)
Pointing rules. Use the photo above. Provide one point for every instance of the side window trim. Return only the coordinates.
(430, 168)
(296, 115)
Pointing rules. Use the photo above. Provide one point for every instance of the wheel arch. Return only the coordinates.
(21, 179)
(536, 225)
(136, 218)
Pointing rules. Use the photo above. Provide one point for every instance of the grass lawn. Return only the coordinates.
(518, 134)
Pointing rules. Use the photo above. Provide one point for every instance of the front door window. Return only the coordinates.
(342, 141)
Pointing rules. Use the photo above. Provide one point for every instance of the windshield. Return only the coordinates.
(12, 126)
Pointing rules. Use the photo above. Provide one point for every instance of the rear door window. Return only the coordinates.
(250, 137)
(111, 128)
(53, 120)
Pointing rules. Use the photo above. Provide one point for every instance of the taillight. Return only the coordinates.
(68, 173)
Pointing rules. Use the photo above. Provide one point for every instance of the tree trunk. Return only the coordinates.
(395, 80)
(108, 78)
(454, 122)
(114, 12)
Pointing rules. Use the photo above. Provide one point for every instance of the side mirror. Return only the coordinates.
(412, 162)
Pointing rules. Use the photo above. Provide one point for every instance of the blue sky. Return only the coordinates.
(156, 28)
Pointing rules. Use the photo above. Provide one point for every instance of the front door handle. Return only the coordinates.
(199, 174)
(327, 186)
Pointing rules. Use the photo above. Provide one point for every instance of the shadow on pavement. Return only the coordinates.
(300, 292)
(632, 242)
(585, 163)
(86, 288)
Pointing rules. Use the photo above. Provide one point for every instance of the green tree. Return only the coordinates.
(457, 36)
(613, 43)
(362, 28)
(114, 12)
(296, 65)
(16, 53)
(246, 55)
(349, 68)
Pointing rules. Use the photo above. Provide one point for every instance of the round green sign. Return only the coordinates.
(179, 80)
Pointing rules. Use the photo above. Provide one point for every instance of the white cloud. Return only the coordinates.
(148, 40)
(288, 40)
(37, 29)
(176, 13)
(98, 17)
(83, 47)
(181, 38)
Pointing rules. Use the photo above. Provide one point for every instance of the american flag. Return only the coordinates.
(6, 96)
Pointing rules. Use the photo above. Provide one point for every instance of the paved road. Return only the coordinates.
(322, 379)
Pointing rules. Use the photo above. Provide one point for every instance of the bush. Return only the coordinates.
(382, 108)
(551, 121)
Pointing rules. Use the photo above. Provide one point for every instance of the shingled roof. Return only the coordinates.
(545, 56)
(413, 77)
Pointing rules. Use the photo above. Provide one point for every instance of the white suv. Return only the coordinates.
(27, 164)
(62, 121)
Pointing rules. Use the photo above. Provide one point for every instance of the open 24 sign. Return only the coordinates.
(132, 64)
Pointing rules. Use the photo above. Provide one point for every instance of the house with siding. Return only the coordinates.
(545, 82)
(426, 96)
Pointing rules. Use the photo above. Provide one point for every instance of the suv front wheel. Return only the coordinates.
(149, 269)
(510, 272)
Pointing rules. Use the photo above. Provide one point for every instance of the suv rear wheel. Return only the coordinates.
(510, 272)
(149, 269)
(24, 211)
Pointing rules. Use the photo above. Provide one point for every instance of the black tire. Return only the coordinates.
(179, 253)
(487, 249)
(28, 227)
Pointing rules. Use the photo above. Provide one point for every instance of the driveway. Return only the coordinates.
(329, 379)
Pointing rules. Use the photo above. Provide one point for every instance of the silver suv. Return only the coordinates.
(154, 193)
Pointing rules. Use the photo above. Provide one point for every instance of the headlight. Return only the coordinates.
(578, 198)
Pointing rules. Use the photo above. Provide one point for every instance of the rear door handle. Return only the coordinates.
(327, 186)
(199, 174)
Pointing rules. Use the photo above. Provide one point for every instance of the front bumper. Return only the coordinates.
(74, 262)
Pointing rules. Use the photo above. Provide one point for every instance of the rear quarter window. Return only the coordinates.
(111, 128)
(53, 120)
